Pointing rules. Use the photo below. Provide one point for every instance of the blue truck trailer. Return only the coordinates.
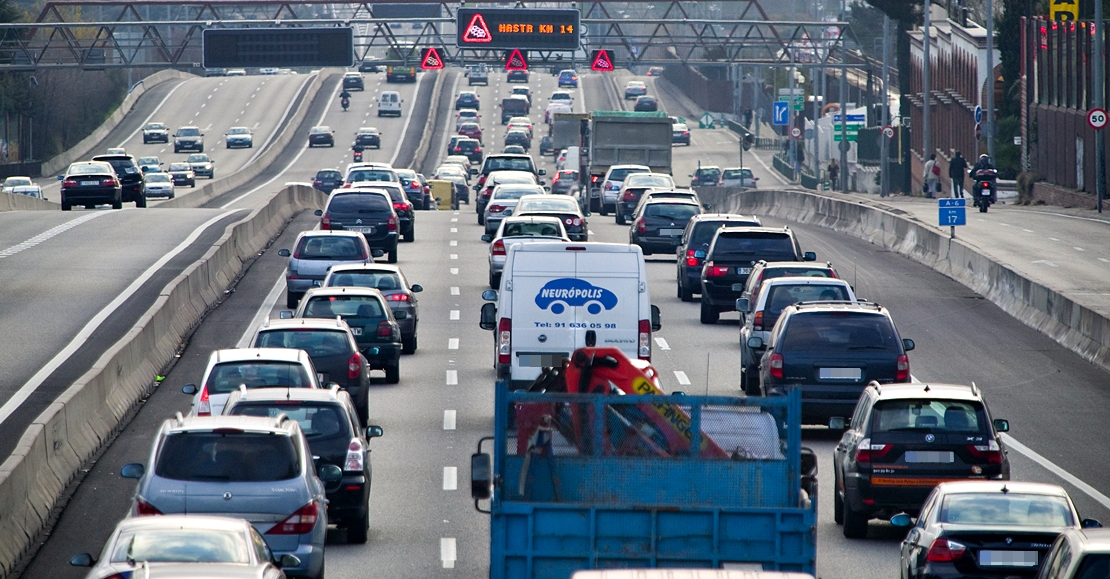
(616, 480)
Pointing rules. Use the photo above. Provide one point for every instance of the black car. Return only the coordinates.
(472, 148)
(468, 100)
(902, 440)
(188, 139)
(402, 205)
(518, 137)
(454, 140)
(329, 423)
(517, 76)
(327, 180)
(372, 322)
(547, 145)
(321, 135)
(646, 103)
(369, 65)
(369, 137)
(830, 351)
(563, 208)
(564, 182)
(706, 177)
(399, 294)
(90, 183)
(729, 261)
(629, 194)
(353, 81)
(988, 529)
(694, 246)
(659, 224)
(368, 212)
(130, 177)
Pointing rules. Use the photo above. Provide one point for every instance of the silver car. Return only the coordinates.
(202, 165)
(503, 201)
(258, 469)
(158, 185)
(523, 229)
(738, 177)
(239, 137)
(314, 253)
(229, 370)
(189, 543)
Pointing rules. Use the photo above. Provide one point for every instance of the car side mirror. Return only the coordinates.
(809, 256)
(82, 560)
(318, 213)
(706, 206)
(656, 319)
(1001, 425)
(284, 253)
(1091, 524)
(755, 178)
(743, 305)
(489, 295)
(285, 315)
(487, 238)
(907, 344)
(288, 561)
(542, 172)
(489, 316)
(481, 476)
(755, 342)
(901, 520)
(374, 432)
(377, 252)
(132, 470)
(61, 177)
(401, 315)
(417, 288)
(190, 389)
(330, 473)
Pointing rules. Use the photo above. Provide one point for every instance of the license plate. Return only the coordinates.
(1008, 558)
(356, 331)
(670, 232)
(743, 270)
(929, 456)
(358, 229)
(90, 183)
(839, 373)
(541, 360)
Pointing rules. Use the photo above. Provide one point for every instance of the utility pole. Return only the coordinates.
(1100, 102)
(884, 165)
(843, 178)
(927, 64)
(793, 119)
(990, 78)
(816, 133)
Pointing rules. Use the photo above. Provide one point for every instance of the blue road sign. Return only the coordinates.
(781, 113)
(952, 212)
(978, 114)
(851, 118)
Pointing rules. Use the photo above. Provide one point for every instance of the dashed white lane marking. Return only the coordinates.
(683, 380)
(448, 419)
(454, 256)
(454, 230)
(49, 233)
(454, 271)
(454, 220)
(454, 243)
(663, 345)
(1054, 239)
(447, 552)
(1028, 230)
(454, 290)
(454, 315)
(455, 213)
(1104, 260)
(591, 231)
(452, 377)
(1046, 262)
(1079, 249)
(1052, 467)
(452, 343)
(450, 478)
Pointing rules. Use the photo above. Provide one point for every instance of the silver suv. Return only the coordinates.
(314, 253)
(258, 469)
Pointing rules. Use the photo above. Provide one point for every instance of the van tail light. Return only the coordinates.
(945, 551)
(385, 329)
(325, 222)
(392, 223)
(644, 350)
(498, 247)
(355, 461)
(715, 270)
(641, 225)
(991, 453)
(354, 366)
(504, 340)
(145, 509)
(867, 452)
(204, 406)
(299, 523)
(903, 374)
(757, 321)
(776, 365)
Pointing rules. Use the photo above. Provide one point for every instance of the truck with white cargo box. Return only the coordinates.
(626, 138)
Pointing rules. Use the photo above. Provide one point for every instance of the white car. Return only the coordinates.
(562, 96)
(634, 88)
(520, 229)
(611, 184)
(250, 367)
(149, 164)
(738, 177)
(520, 123)
(22, 186)
(467, 116)
(554, 108)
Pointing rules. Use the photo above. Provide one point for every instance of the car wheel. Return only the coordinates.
(685, 294)
(140, 201)
(171, 195)
(855, 523)
(749, 382)
(409, 235)
(393, 256)
(620, 218)
(359, 529)
(392, 374)
(193, 183)
(117, 203)
(320, 575)
(409, 346)
(494, 280)
(379, 113)
(291, 299)
(604, 209)
(481, 219)
(838, 503)
(66, 206)
(709, 314)
(201, 149)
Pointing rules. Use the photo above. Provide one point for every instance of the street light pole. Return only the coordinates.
(1100, 102)
(884, 185)
(926, 39)
(990, 78)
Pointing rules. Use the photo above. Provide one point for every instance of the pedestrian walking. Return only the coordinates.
(956, 169)
(834, 174)
(932, 177)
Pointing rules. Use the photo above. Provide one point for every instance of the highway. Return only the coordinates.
(423, 522)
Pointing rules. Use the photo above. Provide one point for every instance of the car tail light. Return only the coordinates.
(397, 298)
(990, 452)
(715, 270)
(325, 223)
(595, 178)
(427, 190)
(498, 247)
(355, 458)
(641, 225)
(204, 406)
(69, 183)
(392, 223)
(776, 365)
(757, 322)
(401, 206)
(477, 149)
(487, 192)
(145, 509)
(481, 180)
(385, 329)
(299, 523)
(496, 208)
(109, 182)
(504, 340)
(867, 452)
(685, 133)
(628, 196)
(903, 374)
(354, 366)
(317, 182)
(645, 340)
(691, 261)
(945, 551)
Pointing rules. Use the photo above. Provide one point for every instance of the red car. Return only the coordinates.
(471, 130)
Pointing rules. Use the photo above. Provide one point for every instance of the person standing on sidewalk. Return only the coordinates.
(932, 177)
(834, 172)
(956, 168)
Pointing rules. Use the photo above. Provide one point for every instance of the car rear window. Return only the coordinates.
(620, 174)
(516, 193)
(672, 211)
(317, 420)
(708, 172)
(782, 296)
(549, 203)
(737, 174)
(382, 280)
(467, 145)
(371, 175)
(509, 164)
(345, 306)
(359, 203)
(227, 377)
(181, 546)
(769, 246)
(317, 343)
(227, 457)
(773, 272)
(1010, 509)
(328, 175)
(330, 247)
(531, 230)
(840, 332)
(932, 415)
(89, 169)
(705, 230)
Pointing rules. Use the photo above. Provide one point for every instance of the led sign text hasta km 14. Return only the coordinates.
(513, 28)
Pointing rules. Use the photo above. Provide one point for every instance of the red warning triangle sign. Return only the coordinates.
(602, 61)
(516, 61)
(431, 60)
(477, 31)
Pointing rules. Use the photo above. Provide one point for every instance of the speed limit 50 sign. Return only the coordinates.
(1097, 118)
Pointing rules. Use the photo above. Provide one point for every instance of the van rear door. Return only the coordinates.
(541, 334)
(611, 312)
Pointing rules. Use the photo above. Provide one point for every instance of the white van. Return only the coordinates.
(389, 103)
(558, 297)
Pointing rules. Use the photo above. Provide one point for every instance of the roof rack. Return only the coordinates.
(974, 389)
(179, 418)
(878, 387)
(281, 419)
(838, 303)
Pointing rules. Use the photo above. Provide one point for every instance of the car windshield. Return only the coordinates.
(346, 306)
(239, 131)
(181, 546)
(1010, 509)
(329, 247)
(17, 181)
(531, 230)
(649, 180)
(549, 203)
(383, 280)
(197, 158)
(503, 193)
(155, 127)
(89, 169)
(317, 342)
(180, 167)
(620, 174)
(737, 174)
(372, 175)
(227, 377)
(768, 246)
(318, 421)
(958, 416)
(188, 132)
(157, 178)
(782, 296)
(840, 333)
(672, 211)
(227, 457)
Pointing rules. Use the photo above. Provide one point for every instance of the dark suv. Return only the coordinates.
(659, 224)
(368, 212)
(369, 137)
(729, 261)
(904, 439)
(327, 180)
(694, 245)
(372, 323)
(130, 177)
(472, 148)
(831, 350)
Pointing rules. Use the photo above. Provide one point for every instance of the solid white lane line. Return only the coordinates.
(454, 315)
(1056, 470)
(450, 478)
(86, 332)
(683, 380)
(447, 552)
(405, 127)
(49, 233)
(663, 345)
(262, 313)
(454, 243)
(452, 377)
(452, 343)
(454, 271)
(448, 419)
(454, 290)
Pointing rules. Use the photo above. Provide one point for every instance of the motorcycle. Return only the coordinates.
(358, 153)
(985, 188)
(346, 102)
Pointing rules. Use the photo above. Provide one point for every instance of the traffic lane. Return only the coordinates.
(55, 290)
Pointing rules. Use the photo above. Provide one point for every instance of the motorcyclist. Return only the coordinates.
(358, 149)
(984, 163)
(345, 99)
